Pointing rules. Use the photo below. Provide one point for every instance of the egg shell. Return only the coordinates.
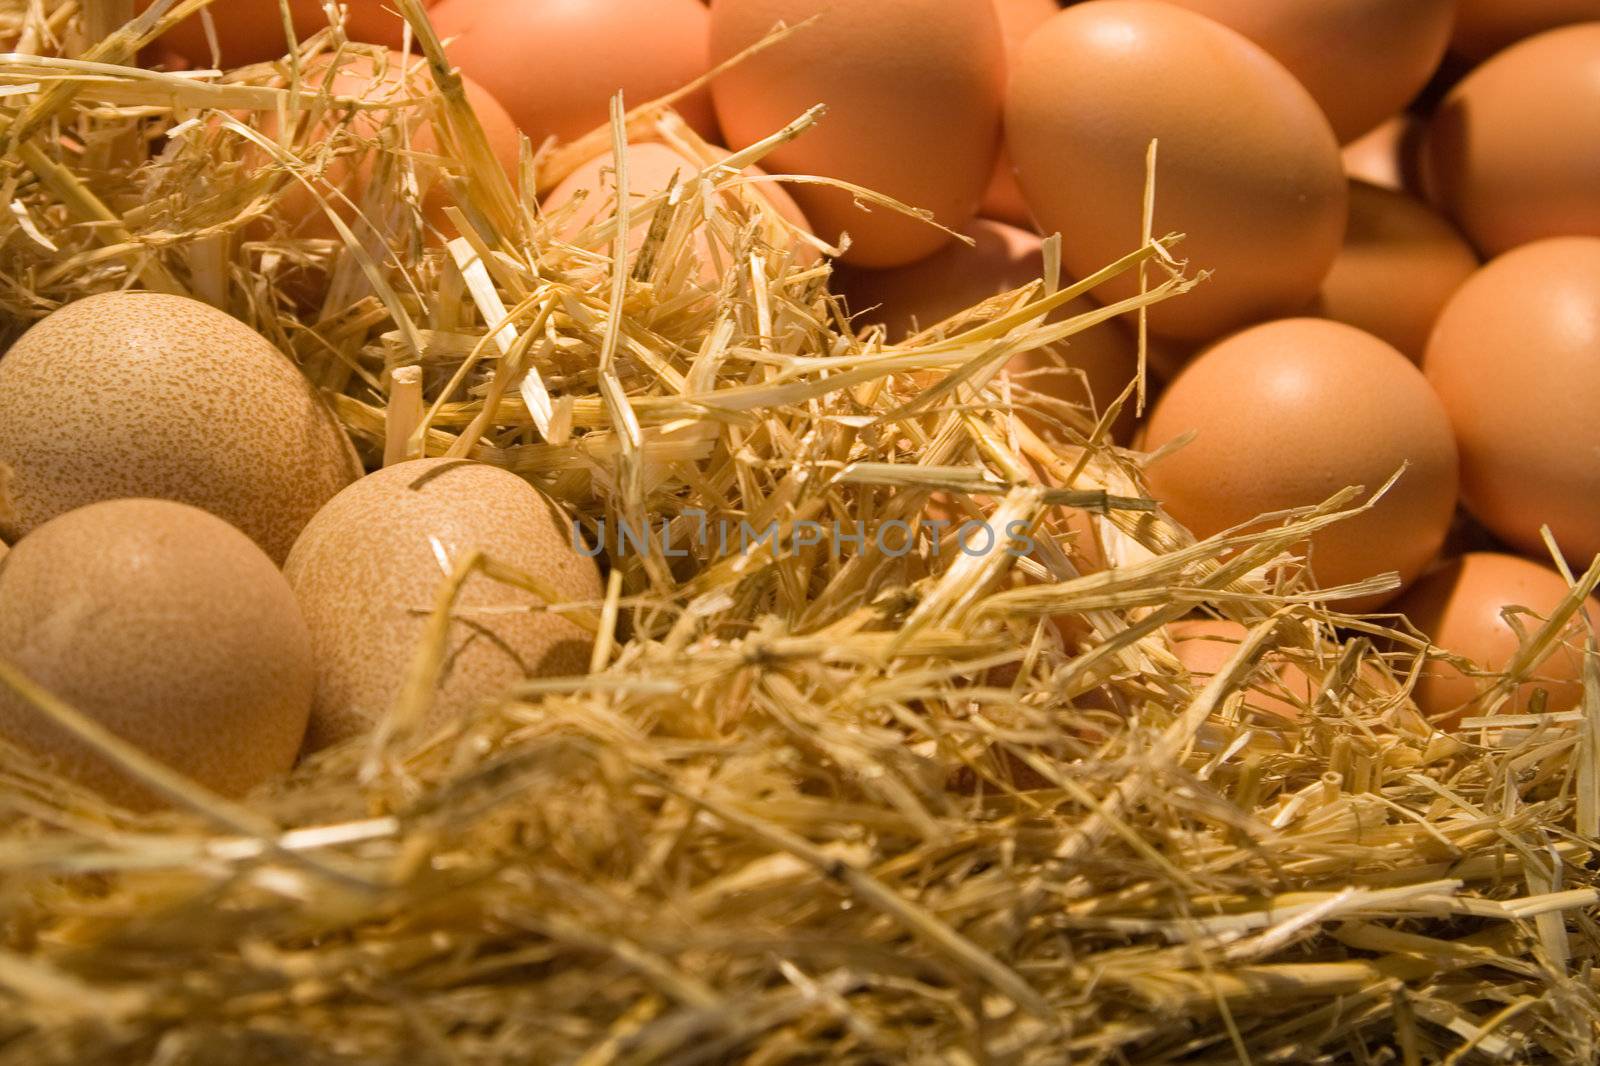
(251, 31)
(1386, 156)
(146, 394)
(1205, 646)
(1400, 264)
(1484, 27)
(1515, 357)
(1362, 60)
(652, 167)
(367, 571)
(957, 277)
(913, 90)
(346, 181)
(1459, 608)
(1510, 154)
(1248, 167)
(1289, 413)
(556, 64)
(168, 627)
(1003, 199)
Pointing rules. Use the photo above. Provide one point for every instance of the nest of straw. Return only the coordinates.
(814, 803)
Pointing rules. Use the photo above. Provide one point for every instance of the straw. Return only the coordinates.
(820, 798)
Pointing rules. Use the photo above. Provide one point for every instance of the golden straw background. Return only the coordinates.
(807, 808)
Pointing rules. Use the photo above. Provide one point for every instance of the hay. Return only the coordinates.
(811, 806)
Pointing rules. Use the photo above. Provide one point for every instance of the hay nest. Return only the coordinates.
(839, 801)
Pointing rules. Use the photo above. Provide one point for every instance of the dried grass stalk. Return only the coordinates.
(812, 805)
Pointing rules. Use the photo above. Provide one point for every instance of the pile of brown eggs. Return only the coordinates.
(1397, 202)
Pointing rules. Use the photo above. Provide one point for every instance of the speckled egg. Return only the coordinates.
(556, 64)
(1362, 60)
(913, 89)
(168, 627)
(1287, 414)
(145, 394)
(1401, 262)
(1248, 167)
(251, 31)
(1510, 154)
(1483, 27)
(367, 569)
(957, 277)
(1459, 607)
(1516, 359)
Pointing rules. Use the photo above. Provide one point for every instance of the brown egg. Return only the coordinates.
(1204, 647)
(1458, 607)
(1287, 414)
(556, 64)
(143, 394)
(1400, 263)
(168, 627)
(1516, 359)
(1018, 19)
(958, 277)
(1248, 167)
(403, 81)
(367, 569)
(1387, 155)
(251, 31)
(1362, 60)
(1510, 154)
(1483, 27)
(652, 167)
(914, 92)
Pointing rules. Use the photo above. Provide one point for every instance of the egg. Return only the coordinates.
(346, 180)
(1362, 60)
(251, 31)
(1247, 168)
(1483, 27)
(1510, 153)
(169, 628)
(1516, 359)
(556, 64)
(1288, 413)
(1460, 606)
(913, 89)
(958, 276)
(1387, 155)
(1205, 646)
(652, 168)
(367, 569)
(1018, 19)
(1400, 263)
(146, 394)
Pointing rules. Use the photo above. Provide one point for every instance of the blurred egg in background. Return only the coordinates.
(923, 129)
(556, 64)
